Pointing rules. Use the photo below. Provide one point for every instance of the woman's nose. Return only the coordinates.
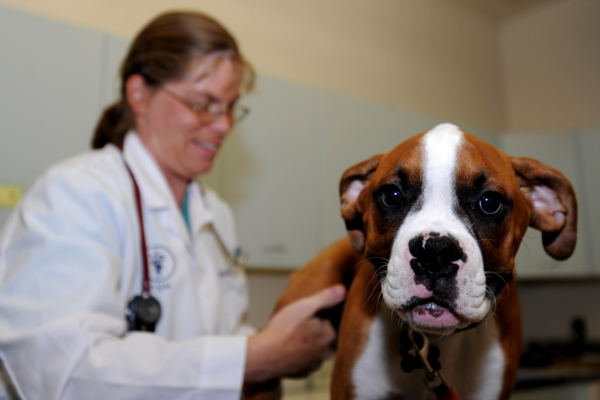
(222, 124)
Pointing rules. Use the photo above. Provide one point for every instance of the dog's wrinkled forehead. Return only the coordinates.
(444, 158)
(428, 160)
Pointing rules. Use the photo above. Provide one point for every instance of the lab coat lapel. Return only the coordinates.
(156, 194)
(199, 211)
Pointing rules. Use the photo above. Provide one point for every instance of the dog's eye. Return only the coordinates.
(391, 197)
(490, 203)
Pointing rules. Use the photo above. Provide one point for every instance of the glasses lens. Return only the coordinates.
(239, 112)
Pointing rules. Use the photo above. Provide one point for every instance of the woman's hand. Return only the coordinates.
(295, 342)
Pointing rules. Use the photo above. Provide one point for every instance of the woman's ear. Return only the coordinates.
(552, 205)
(137, 94)
(352, 184)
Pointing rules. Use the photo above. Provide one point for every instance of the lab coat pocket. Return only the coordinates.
(234, 283)
(234, 280)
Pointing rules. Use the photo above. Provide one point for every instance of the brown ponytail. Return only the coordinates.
(116, 120)
(161, 52)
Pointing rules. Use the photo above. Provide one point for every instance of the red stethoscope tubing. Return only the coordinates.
(146, 269)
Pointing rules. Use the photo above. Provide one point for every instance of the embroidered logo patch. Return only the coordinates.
(161, 263)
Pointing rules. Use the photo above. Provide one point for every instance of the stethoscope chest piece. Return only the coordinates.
(142, 313)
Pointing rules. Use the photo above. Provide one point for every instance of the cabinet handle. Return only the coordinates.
(274, 248)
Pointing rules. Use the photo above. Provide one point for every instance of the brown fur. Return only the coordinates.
(362, 300)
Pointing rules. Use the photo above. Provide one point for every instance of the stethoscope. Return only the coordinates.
(143, 311)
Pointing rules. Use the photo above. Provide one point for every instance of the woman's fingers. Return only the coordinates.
(309, 306)
(324, 299)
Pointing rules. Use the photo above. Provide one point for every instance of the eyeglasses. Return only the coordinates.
(211, 111)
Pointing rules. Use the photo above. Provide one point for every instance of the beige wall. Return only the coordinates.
(552, 67)
(534, 72)
(432, 57)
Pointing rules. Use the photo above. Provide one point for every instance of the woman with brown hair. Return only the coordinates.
(112, 245)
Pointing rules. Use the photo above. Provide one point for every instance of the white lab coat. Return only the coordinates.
(70, 262)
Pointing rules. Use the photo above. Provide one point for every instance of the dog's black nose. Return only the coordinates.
(434, 258)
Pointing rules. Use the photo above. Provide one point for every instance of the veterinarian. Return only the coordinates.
(119, 274)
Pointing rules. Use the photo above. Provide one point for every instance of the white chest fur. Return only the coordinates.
(472, 362)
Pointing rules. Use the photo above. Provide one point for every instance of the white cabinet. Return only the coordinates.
(113, 50)
(267, 172)
(349, 131)
(560, 151)
(55, 79)
(49, 94)
(589, 145)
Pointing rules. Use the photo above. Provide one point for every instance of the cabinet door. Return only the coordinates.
(49, 94)
(590, 206)
(493, 138)
(268, 171)
(560, 151)
(114, 50)
(351, 131)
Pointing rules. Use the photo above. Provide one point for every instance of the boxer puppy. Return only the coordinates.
(433, 229)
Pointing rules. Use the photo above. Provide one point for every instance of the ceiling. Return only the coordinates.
(502, 9)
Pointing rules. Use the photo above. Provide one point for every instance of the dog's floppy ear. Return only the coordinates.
(353, 181)
(552, 205)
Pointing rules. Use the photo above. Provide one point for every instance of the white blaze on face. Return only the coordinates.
(441, 148)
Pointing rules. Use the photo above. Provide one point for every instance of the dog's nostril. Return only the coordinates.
(442, 249)
(415, 246)
(445, 248)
